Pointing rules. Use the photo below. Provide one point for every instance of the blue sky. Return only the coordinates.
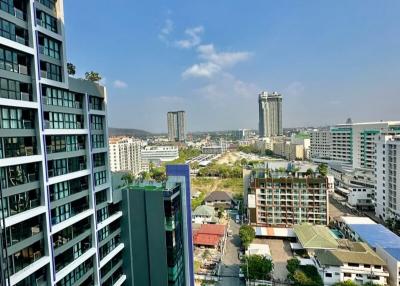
(330, 59)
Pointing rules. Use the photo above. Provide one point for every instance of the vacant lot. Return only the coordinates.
(234, 186)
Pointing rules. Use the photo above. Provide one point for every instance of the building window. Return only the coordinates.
(328, 274)
(16, 118)
(50, 71)
(50, 48)
(46, 21)
(51, 4)
(96, 122)
(100, 178)
(98, 141)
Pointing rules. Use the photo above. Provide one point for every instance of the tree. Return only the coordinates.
(128, 178)
(292, 265)
(305, 275)
(220, 212)
(246, 234)
(71, 69)
(309, 172)
(93, 76)
(243, 162)
(323, 169)
(257, 267)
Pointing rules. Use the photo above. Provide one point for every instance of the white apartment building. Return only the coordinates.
(387, 173)
(55, 183)
(353, 144)
(158, 154)
(320, 144)
(125, 155)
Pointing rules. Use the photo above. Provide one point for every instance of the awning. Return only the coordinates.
(274, 231)
(296, 246)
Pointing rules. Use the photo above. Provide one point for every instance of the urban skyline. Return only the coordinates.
(344, 72)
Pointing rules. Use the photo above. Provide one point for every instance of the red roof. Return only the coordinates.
(205, 239)
(214, 229)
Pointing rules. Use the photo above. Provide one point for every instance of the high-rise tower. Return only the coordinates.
(56, 217)
(270, 114)
(176, 126)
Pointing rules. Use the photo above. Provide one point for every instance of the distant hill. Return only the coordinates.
(128, 132)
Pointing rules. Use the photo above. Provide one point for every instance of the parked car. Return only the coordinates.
(230, 232)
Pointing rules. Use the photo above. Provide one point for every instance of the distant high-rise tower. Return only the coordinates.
(270, 114)
(176, 125)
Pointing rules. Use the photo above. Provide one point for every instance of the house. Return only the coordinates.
(204, 214)
(382, 240)
(219, 199)
(354, 261)
(210, 235)
(313, 237)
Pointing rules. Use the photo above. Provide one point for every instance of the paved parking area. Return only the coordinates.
(281, 253)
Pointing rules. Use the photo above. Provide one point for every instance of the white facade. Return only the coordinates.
(55, 180)
(393, 264)
(125, 155)
(387, 173)
(270, 114)
(353, 144)
(159, 154)
(320, 144)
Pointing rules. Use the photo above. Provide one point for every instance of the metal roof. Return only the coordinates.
(315, 236)
(356, 252)
(395, 252)
(376, 234)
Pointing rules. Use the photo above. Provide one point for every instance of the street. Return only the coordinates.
(230, 261)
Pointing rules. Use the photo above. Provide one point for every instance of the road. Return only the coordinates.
(230, 260)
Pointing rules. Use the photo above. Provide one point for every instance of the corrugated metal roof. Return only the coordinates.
(376, 234)
(315, 236)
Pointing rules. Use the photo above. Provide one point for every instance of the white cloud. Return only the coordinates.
(227, 86)
(214, 62)
(120, 84)
(193, 38)
(223, 59)
(166, 30)
(202, 70)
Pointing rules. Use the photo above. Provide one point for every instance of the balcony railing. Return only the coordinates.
(23, 69)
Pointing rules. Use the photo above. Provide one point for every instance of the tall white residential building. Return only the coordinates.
(125, 155)
(55, 186)
(320, 144)
(176, 126)
(387, 173)
(270, 114)
(353, 144)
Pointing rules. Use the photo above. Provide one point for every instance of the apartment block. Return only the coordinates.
(158, 154)
(176, 121)
(156, 228)
(125, 155)
(387, 175)
(270, 114)
(55, 179)
(283, 199)
(320, 144)
(353, 144)
(289, 151)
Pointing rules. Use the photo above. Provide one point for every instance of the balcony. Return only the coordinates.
(67, 170)
(25, 257)
(18, 175)
(69, 256)
(70, 233)
(19, 203)
(23, 230)
(69, 210)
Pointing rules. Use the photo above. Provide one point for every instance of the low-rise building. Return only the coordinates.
(353, 261)
(158, 155)
(210, 235)
(204, 214)
(378, 237)
(313, 237)
(285, 196)
(357, 185)
(219, 199)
